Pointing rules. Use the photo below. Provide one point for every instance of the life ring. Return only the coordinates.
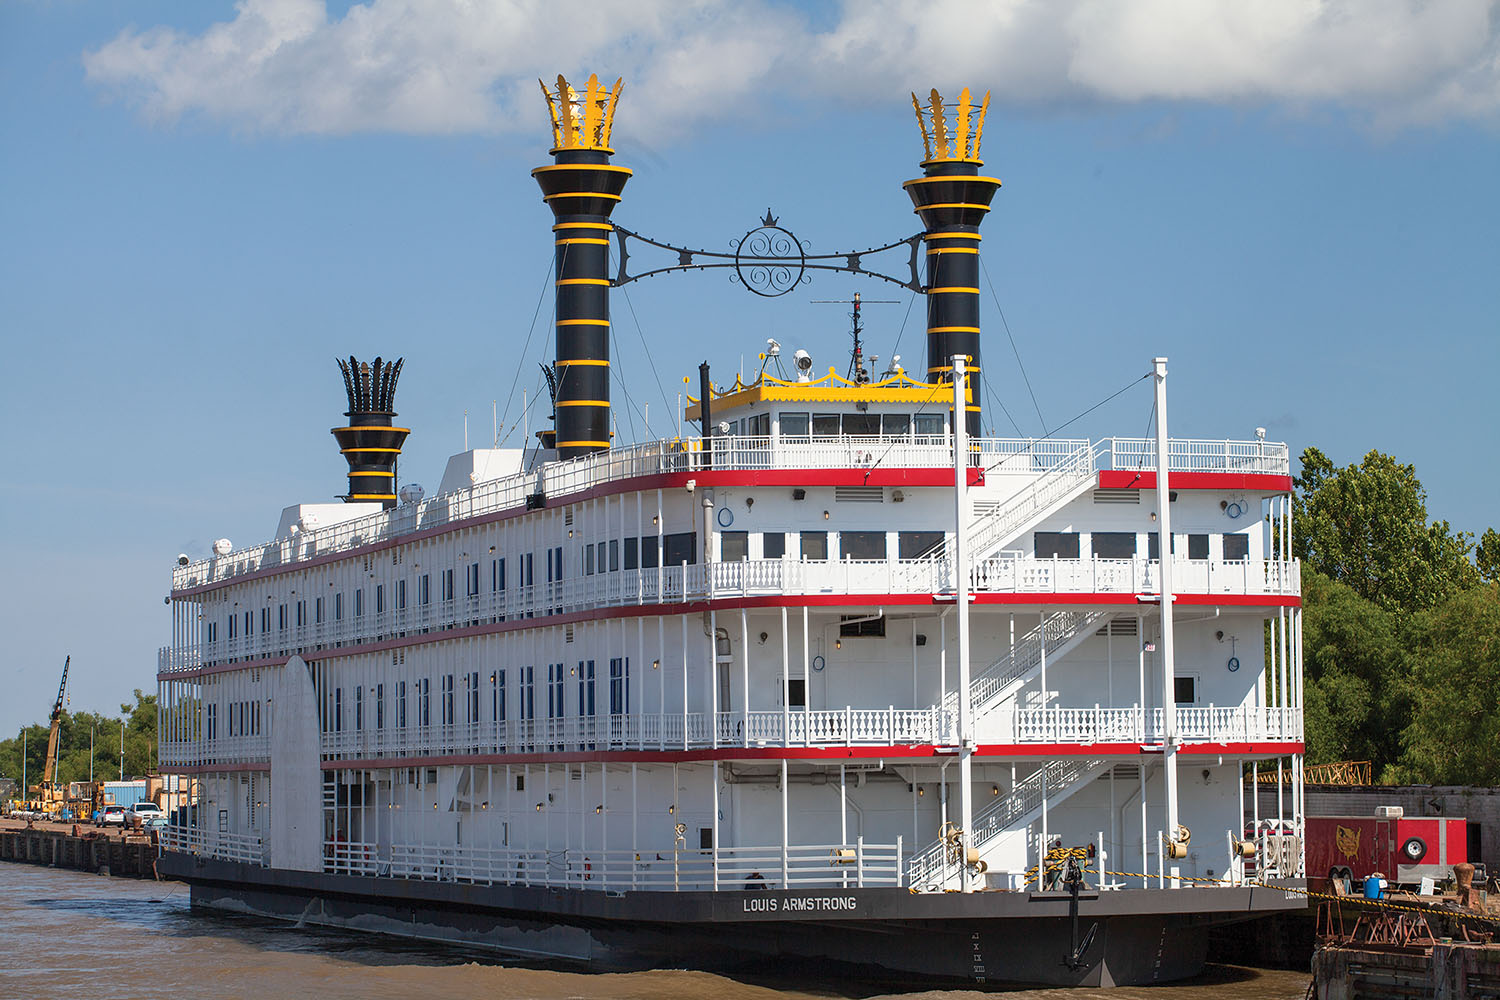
(1415, 849)
(1234, 664)
(725, 517)
(1234, 510)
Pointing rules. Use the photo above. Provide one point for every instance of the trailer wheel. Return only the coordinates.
(1415, 849)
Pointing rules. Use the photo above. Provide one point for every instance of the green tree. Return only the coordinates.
(1453, 655)
(138, 721)
(1354, 693)
(1487, 556)
(1366, 526)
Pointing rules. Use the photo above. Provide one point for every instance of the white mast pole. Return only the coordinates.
(961, 591)
(1168, 671)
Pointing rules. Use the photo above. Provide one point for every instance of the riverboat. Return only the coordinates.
(837, 679)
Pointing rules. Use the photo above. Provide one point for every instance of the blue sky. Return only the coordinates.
(204, 204)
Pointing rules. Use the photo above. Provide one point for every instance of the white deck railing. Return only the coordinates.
(248, 848)
(758, 577)
(802, 866)
(798, 728)
(563, 479)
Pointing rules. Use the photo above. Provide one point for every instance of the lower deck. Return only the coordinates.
(1096, 939)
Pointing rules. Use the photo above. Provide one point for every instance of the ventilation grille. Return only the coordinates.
(1122, 772)
(567, 516)
(1117, 496)
(1120, 626)
(567, 633)
(859, 494)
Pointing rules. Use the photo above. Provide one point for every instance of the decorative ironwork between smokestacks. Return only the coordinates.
(582, 189)
(952, 199)
(370, 443)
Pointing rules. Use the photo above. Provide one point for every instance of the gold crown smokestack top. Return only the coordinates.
(582, 189)
(952, 199)
(370, 443)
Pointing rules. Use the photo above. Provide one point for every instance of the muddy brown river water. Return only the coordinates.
(67, 934)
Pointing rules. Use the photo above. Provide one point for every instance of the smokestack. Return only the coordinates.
(582, 190)
(952, 200)
(370, 443)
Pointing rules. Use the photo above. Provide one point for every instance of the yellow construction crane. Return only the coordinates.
(49, 797)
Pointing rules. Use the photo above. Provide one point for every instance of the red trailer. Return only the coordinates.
(1403, 849)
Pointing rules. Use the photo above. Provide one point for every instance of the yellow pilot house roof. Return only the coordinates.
(831, 388)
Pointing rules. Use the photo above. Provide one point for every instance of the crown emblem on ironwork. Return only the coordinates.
(582, 121)
(957, 139)
(769, 220)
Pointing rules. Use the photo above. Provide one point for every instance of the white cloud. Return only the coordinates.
(285, 66)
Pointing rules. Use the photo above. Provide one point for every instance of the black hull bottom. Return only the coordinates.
(988, 937)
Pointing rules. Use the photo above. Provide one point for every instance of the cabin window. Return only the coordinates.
(586, 688)
(447, 705)
(855, 629)
(400, 595)
(497, 695)
(1061, 544)
(734, 545)
(1197, 546)
(929, 424)
(794, 425)
(1185, 690)
(317, 615)
(825, 425)
(359, 708)
(588, 560)
(1113, 544)
(614, 554)
(281, 617)
(527, 707)
(400, 704)
(895, 424)
(796, 693)
(649, 552)
(862, 424)
(1236, 547)
(497, 575)
(1154, 546)
(680, 548)
(632, 552)
(447, 585)
(861, 545)
(379, 598)
(705, 838)
(473, 697)
(554, 690)
(424, 701)
(473, 580)
(619, 686)
(814, 544)
(916, 544)
(379, 706)
(772, 545)
(301, 614)
(234, 620)
(424, 589)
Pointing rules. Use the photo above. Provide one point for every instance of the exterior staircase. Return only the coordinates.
(1002, 523)
(935, 867)
(1059, 633)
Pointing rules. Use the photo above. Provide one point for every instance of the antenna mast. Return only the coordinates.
(858, 373)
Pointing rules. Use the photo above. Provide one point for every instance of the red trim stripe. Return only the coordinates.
(1125, 479)
(919, 752)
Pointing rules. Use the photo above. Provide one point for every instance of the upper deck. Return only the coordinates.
(746, 459)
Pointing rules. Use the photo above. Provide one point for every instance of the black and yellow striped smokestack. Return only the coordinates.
(371, 443)
(952, 200)
(582, 190)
